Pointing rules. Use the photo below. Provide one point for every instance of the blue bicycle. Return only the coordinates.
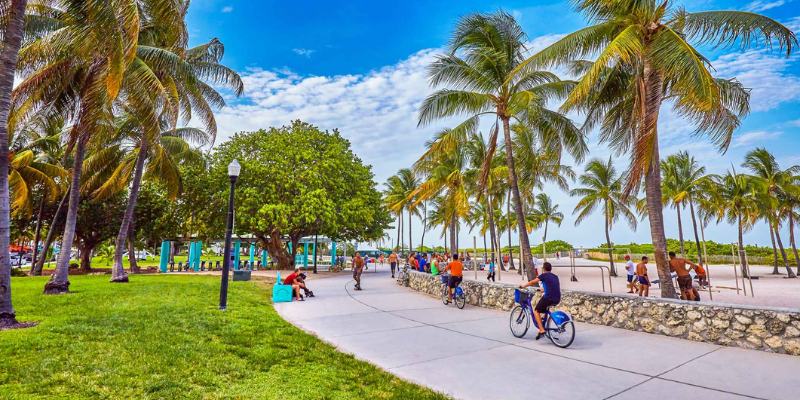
(459, 297)
(559, 327)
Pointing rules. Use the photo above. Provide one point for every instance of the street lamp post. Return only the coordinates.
(233, 173)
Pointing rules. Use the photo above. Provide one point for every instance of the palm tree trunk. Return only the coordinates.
(694, 227)
(424, 224)
(611, 271)
(789, 272)
(484, 247)
(792, 242)
(775, 270)
(649, 129)
(510, 250)
(742, 257)
(444, 232)
(524, 244)
(38, 235)
(59, 282)
(680, 230)
(453, 234)
(399, 230)
(12, 39)
(493, 230)
(118, 274)
(51, 233)
(132, 262)
(410, 242)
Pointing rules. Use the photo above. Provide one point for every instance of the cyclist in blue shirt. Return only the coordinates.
(551, 296)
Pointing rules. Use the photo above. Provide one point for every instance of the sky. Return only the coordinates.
(360, 66)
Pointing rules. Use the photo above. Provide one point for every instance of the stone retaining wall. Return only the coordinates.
(768, 329)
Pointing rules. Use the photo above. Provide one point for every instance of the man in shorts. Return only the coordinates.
(393, 262)
(296, 282)
(456, 269)
(641, 275)
(358, 268)
(678, 265)
(630, 268)
(551, 296)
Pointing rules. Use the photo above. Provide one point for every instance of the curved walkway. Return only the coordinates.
(470, 353)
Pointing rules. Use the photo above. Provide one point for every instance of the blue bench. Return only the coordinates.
(281, 293)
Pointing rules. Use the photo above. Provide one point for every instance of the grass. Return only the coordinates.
(162, 337)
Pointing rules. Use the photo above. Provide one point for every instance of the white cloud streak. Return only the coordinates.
(304, 52)
(759, 5)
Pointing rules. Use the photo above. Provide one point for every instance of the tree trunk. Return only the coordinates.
(51, 233)
(401, 235)
(775, 270)
(38, 235)
(277, 251)
(789, 272)
(611, 270)
(694, 227)
(444, 232)
(132, 261)
(510, 251)
(453, 234)
(118, 274)
(742, 256)
(649, 130)
(59, 282)
(424, 224)
(680, 230)
(12, 39)
(484, 247)
(410, 242)
(399, 228)
(524, 244)
(493, 231)
(86, 257)
(792, 242)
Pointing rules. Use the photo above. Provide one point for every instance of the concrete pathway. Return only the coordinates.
(471, 354)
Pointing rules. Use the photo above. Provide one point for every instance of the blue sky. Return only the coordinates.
(360, 66)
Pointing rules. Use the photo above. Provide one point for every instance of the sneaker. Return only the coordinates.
(539, 335)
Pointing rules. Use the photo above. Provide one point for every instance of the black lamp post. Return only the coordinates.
(233, 173)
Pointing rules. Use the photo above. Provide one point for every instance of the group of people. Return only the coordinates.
(639, 282)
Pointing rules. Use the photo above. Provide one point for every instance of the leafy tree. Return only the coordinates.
(93, 226)
(734, 198)
(544, 212)
(645, 54)
(297, 181)
(602, 187)
(683, 182)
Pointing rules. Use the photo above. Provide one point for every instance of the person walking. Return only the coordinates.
(630, 268)
(358, 268)
(678, 266)
(393, 262)
(490, 276)
(641, 275)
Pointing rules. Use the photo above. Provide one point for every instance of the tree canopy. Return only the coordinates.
(298, 180)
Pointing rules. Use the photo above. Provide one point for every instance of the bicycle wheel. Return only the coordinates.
(445, 295)
(461, 300)
(519, 321)
(561, 335)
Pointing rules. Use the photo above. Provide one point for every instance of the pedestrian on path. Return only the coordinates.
(393, 262)
(630, 268)
(358, 268)
(490, 276)
(641, 275)
(678, 266)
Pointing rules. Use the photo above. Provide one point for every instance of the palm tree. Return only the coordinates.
(444, 177)
(490, 192)
(482, 78)
(392, 196)
(734, 199)
(682, 179)
(544, 212)
(157, 140)
(773, 183)
(78, 69)
(602, 187)
(790, 200)
(644, 56)
(14, 15)
(402, 185)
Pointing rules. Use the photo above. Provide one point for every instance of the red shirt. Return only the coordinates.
(290, 278)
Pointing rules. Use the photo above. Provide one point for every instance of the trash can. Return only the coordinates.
(241, 275)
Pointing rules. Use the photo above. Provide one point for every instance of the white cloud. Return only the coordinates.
(760, 5)
(765, 73)
(304, 52)
(750, 138)
(227, 9)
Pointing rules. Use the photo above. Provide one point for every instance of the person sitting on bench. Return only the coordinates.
(302, 279)
(296, 281)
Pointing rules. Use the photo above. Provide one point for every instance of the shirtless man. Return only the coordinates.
(678, 265)
(393, 262)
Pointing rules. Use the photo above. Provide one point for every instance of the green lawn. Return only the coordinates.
(162, 337)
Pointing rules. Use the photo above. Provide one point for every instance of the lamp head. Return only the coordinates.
(234, 168)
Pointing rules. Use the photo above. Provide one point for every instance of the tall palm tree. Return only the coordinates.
(773, 184)
(644, 56)
(12, 33)
(733, 198)
(400, 198)
(78, 68)
(603, 187)
(790, 201)
(682, 179)
(482, 78)
(392, 196)
(544, 212)
(490, 192)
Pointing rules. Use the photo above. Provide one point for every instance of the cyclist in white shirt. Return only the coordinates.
(630, 268)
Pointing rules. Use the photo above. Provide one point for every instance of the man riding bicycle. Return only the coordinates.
(551, 296)
(456, 269)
